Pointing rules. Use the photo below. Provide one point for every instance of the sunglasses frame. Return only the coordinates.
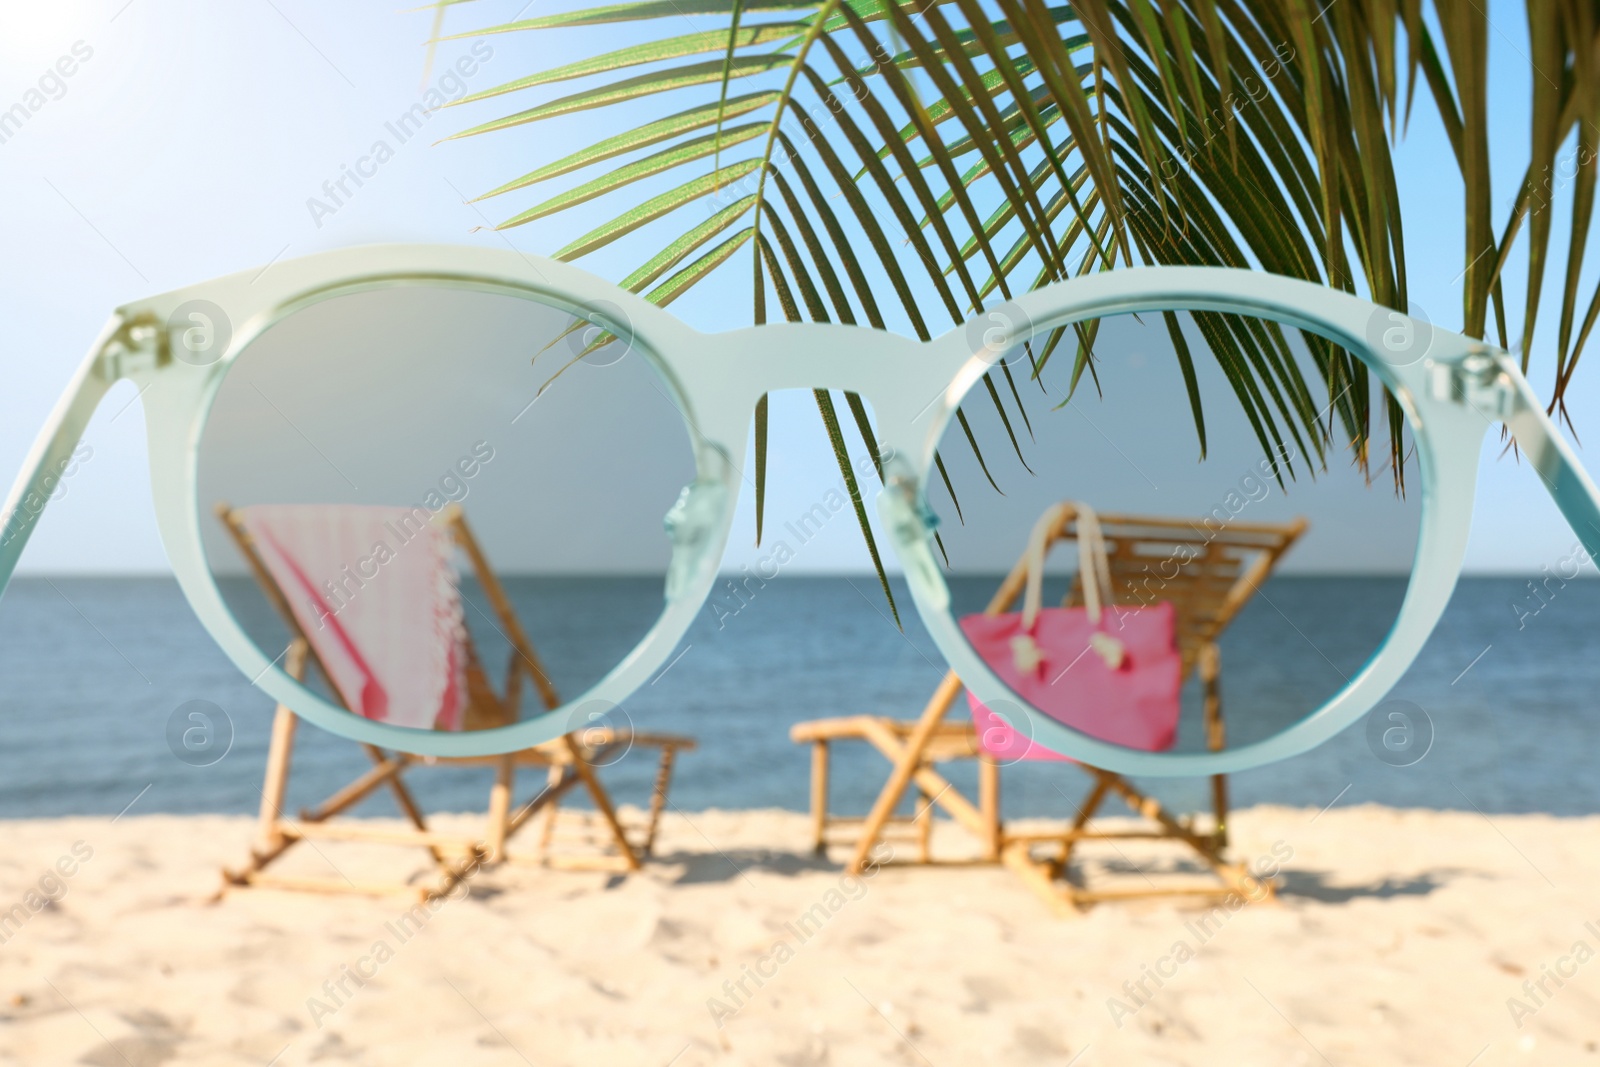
(1453, 390)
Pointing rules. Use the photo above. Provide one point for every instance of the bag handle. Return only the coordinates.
(1094, 571)
(1094, 567)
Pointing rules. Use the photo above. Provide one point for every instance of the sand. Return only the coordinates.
(1400, 937)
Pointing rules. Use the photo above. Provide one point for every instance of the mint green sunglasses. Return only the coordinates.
(564, 417)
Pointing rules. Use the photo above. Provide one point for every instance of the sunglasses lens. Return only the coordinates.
(441, 489)
(1252, 568)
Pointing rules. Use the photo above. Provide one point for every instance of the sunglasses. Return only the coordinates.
(599, 448)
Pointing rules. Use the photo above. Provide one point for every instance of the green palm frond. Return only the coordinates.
(918, 159)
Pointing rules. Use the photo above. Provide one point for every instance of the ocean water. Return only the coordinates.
(92, 671)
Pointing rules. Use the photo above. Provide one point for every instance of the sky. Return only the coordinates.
(193, 140)
(455, 414)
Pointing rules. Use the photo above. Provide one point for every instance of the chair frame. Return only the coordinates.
(568, 761)
(916, 748)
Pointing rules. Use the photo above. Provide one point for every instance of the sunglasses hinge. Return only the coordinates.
(1478, 381)
(140, 344)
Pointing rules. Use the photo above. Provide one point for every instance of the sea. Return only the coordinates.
(1501, 710)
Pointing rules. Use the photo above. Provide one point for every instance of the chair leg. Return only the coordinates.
(547, 832)
(924, 821)
(989, 805)
(279, 754)
(602, 803)
(1210, 670)
(1086, 811)
(904, 771)
(500, 807)
(819, 796)
(270, 840)
(658, 797)
(408, 805)
(1219, 803)
(1233, 875)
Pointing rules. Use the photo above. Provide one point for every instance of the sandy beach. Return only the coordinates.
(1399, 937)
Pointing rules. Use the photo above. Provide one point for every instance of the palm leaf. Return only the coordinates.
(906, 158)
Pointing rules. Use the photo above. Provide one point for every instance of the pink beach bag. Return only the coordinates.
(1113, 673)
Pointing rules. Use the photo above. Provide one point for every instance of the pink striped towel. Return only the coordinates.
(374, 589)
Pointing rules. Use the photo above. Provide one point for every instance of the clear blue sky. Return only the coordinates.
(189, 141)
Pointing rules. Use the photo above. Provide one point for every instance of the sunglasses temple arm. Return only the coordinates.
(51, 458)
(1555, 463)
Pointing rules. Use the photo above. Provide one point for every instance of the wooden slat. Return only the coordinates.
(265, 880)
(1103, 896)
(618, 864)
(355, 830)
(1037, 836)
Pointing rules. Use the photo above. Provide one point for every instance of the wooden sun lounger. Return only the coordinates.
(1229, 564)
(568, 762)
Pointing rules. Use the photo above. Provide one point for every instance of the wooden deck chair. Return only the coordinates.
(1229, 563)
(567, 762)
